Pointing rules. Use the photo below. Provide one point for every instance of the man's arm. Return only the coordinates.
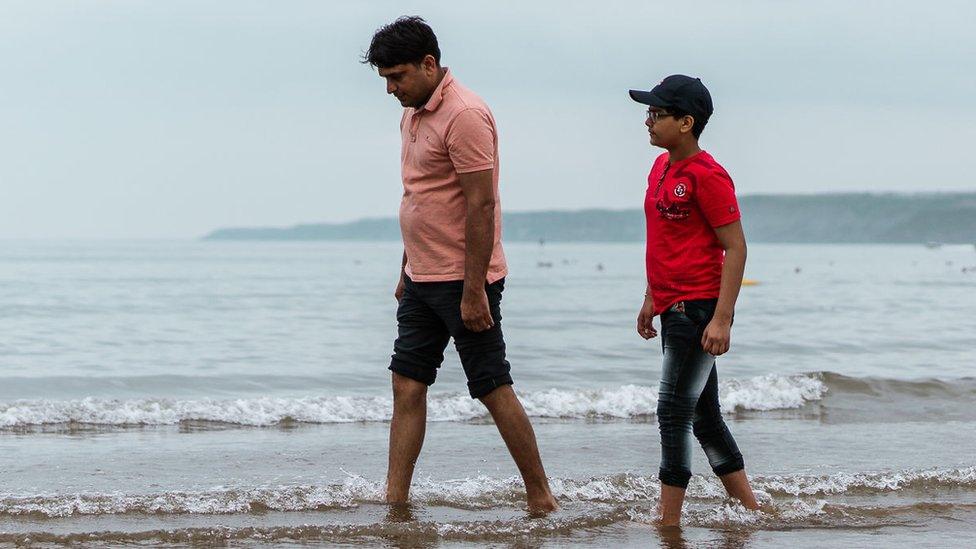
(717, 337)
(479, 237)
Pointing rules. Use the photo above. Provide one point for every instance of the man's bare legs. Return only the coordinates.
(406, 435)
(736, 484)
(519, 436)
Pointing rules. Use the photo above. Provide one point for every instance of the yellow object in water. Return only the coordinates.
(749, 282)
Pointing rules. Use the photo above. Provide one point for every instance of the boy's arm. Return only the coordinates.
(717, 337)
(645, 317)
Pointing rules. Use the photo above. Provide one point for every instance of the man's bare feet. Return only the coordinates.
(400, 512)
(543, 506)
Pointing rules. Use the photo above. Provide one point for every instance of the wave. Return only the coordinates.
(732, 523)
(401, 534)
(763, 393)
(874, 386)
(478, 493)
(869, 483)
(829, 396)
(589, 507)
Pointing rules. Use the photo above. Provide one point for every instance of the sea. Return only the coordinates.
(228, 393)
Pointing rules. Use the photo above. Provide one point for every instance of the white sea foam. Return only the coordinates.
(771, 392)
(485, 492)
(627, 401)
(733, 514)
(839, 483)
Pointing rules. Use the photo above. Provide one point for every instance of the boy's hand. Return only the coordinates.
(645, 320)
(717, 337)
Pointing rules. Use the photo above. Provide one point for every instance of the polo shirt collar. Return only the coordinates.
(438, 95)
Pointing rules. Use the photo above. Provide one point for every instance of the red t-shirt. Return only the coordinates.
(684, 202)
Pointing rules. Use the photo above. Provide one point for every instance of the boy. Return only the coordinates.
(696, 254)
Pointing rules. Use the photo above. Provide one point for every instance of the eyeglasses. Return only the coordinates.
(654, 116)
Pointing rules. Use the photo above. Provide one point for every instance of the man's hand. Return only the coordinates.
(474, 310)
(717, 337)
(398, 292)
(645, 320)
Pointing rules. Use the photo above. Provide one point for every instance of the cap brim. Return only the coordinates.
(648, 98)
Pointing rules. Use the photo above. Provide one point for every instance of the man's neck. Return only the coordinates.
(683, 151)
(441, 73)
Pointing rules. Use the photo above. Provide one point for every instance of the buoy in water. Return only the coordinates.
(749, 282)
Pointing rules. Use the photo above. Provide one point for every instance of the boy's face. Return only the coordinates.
(665, 129)
(411, 84)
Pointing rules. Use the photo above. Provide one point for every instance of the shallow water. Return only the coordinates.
(221, 392)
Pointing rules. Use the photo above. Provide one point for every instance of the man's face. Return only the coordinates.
(411, 84)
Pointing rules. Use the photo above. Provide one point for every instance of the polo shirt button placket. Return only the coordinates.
(414, 127)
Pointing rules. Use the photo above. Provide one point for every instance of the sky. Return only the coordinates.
(148, 119)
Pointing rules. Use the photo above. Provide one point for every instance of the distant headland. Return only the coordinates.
(826, 218)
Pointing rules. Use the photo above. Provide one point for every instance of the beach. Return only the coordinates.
(208, 392)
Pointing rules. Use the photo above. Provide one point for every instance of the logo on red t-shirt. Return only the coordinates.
(672, 210)
(674, 203)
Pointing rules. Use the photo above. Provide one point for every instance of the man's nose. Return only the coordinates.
(390, 87)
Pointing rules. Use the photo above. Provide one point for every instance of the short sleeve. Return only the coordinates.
(471, 141)
(716, 198)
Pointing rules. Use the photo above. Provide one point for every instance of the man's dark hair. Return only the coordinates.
(407, 40)
(699, 125)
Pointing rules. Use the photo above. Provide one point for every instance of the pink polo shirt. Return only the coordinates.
(453, 133)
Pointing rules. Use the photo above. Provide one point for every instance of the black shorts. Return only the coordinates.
(428, 316)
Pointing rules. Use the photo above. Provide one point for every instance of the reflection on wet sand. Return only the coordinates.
(673, 537)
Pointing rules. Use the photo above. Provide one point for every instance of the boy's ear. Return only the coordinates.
(687, 123)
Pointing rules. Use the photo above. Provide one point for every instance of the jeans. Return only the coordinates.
(688, 397)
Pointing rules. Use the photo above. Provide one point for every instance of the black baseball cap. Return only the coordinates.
(680, 93)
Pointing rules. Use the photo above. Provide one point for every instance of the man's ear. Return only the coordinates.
(429, 64)
(687, 123)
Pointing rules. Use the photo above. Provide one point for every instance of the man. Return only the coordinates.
(453, 269)
(696, 254)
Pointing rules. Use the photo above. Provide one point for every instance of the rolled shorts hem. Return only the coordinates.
(416, 373)
(483, 387)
